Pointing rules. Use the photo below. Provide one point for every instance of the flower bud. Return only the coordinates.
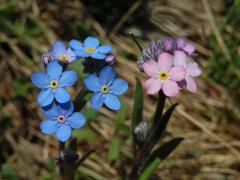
(168, 44)
(46, 58)
(141, 131)
(110, 59)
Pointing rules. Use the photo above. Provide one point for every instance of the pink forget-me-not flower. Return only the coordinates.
(192, 70)
(163, 75)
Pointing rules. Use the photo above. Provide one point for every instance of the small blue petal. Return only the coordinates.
(97, 100)
(68, 78)
(112, 102)
(64, 132)
(58, 49)
(50, 111)
(71, 55)
(49, 126)
(76, 120)
(81, 53)
(54, 70)
(91, 42)
(118, 87)
(66, 109)
(61, 95)
(75, 44)
(104, 49)
(40, 80)
(92, 83)
(107, 75)
(97, 55)
(45, 97)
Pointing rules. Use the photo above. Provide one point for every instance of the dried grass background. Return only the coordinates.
(211, 149)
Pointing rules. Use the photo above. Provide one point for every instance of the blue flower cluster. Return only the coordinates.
(54, 98)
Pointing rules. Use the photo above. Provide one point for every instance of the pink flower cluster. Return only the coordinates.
(171, 72)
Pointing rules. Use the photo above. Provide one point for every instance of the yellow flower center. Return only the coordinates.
(54, 84)
(105, 89)
(64, 58)
(89, 50)
(163, 75)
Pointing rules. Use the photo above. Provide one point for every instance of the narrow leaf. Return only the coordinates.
(157, 131)
(158, 156)
(150, 169)
(121, 116)
(138, 105)
(114, 149)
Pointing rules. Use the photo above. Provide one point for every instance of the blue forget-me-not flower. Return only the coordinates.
(105, 88)
(61, 53)
(60, 119)
(90, 48)
(52, 84)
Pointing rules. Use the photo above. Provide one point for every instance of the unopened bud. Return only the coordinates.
(141, 131)
(46, 58)
(110, 59)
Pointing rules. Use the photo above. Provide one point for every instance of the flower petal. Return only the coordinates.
(170, 88)
(40, 80)
(75, 44)
(71, 55)
(193, 70)
(50, 111)
(177, 73)
(58, 48)
(97, 55)
(91, 42)
(104, 49)
(64, 132)
(107, 75)
(118, 87)
(97, 100)
(81, 53)
(68, 78)
(61, 95)
(165, 61)
(66, 109)
(180, 59)
(191, 84)
(180, 43)
(153, 85)
(112, 102)
(92, 83)
(54, 70)
(76, 120)
(49, 126)
(189, 48)
(151, 68)
(45, 97)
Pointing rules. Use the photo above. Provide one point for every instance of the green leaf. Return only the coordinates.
(7, 172)
(159, 108)
(157, 131)
(138, 105)
(90, 113)
(158, 156)
(121, 116)
(85, 134)
(114, 149)
(150, 169)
